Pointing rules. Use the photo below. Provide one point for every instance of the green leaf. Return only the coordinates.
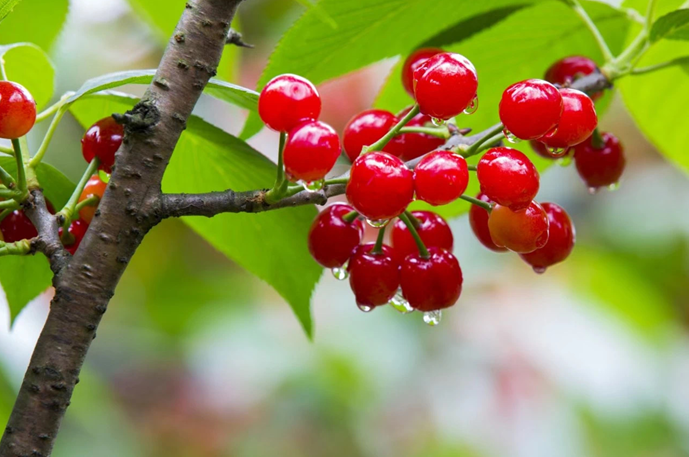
(6, 7)
(56, 187)
(318, 10)
(35, 21)
(271, 245)
(28, 65)
(672, 26)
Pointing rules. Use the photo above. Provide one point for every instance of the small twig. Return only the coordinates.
(235, 38)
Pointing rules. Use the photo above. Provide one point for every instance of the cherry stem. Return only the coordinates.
(70, 207)
(380, 144)
(597, 140)
(378, 247)
(350, 217)
(278, 191)
(10, 193)
(490, 137)
(583, 15)
(475, 201)
(21, 172)
(48, 137)
(6, 150)
(12, 204)
(651, 68)
(413, 219)
(5, 212)
(93, 200)
(471, 167)
(22, 247)
(7, 179)
(440, 132)
(423, 252)
(293, 190)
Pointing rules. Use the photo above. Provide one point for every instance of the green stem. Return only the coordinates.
(21, 172)
(69, 209)
(10, 193)
(660, 66)
(475, 201)
(380, 144)
(423, 252)
(471, 167)
(6, 150)
(12, 204)
(378, 247)
(5, 212)
(278, 191)
(489, 138)
(47, 138)
(414, 220)
(650, 8)
(583, 15)
(22, 247)
(7, 179)
(93, 200)
(293, 190)
(440, 132)
(350, 217)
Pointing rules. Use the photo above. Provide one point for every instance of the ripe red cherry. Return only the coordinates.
(380, 186)
(578, 120)
(445, 85)
(565, 71)
(441, 177)
(414, 61)
(288, 100)
(520, 231)
(311, 151)
(102, 140)
(373, 277)
(332, 239)
(530, 109)
(560, 240)
(16, 226)
(600, 167)
(478, 219)
(366, 128)
(17, 110)
(543, 151)
(508, 177)
(78, 229)
(432, 228)
(433, 283)
(409, 146)
(94, 186)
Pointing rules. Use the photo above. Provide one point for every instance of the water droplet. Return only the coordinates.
(380, 223)
(614, 186)
(539, 270)
(340, 273)
(364, 308)
(510, 136)
(557, 152)
(438, 122)
(593, 190)
(400, 303)
(432, 318)
(473, 106)
(313, 186)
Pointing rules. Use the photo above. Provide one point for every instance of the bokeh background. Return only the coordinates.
(197, 358)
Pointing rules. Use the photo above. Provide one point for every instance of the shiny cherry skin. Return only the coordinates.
(288, 100)
(530, 109)
(366, 128)
(600, 167)
(17, 110)
(441, 177)
(445, 85)
(478, 219)
(78, 229)
(561, 240)
(431, 284)
(380, 186)
(409, 146)
(565, 71)
(543, 151)
(102, 140)
(16, 226)
(373, 277)
(520, 231)
(432, 229)
(94, 186)
(414, 61)
(311, 151)
(508, 177)
(578, 120)
(332, 239)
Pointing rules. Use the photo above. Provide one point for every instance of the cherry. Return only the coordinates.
(366, 128)
(311, 151)
(102, 140)
(508, 177)
(373, 277)
(16, 226)
(17, 110)
(286, 101)
(409, 146)
(414, 61)
(380, 186)
(530, 109)
(565, 71)
(560, 240)
(78, 229)
(432, 283)
(331, 238)
(94, 186)
(441, 177)
(520, 231)
(478, 219)
(432, 228)
(578, 120)
(600, 166)
(543, 151)
(445, 85)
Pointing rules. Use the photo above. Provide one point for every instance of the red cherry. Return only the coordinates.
(600, 167)
(414, 61)
(373, 277)
(520, 231)
(433, 283)
(478, 218)
(409, 146)
(78, 229)
(366, 128)
(380, 186)
(17, 110)
(332, 239)
(17, 226)
(311, 151)
(432, 228)
(565, 71)
(560, 240)
(288, 100)
(543, 151)
(445, 85)
(508, 177)
(441, 177)
(530, 109)
(578, 120)
(94, 186)
(102, 140)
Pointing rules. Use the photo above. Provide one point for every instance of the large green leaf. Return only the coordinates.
(28, 65)
(6, 7)
(271, 245)
(35, 21)
(672, 26)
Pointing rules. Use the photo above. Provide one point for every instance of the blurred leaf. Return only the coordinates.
(28, 65)
(56, 187)
(35, 21)
(6, 7)
(271, 245)
(322, 14)
(672, 26)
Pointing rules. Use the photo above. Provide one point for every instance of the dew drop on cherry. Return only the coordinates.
(365, 308)
(380, 223)
(340, 273)
(593, 190)
(438, 122)
(614, 186)
(400, 303)
(432, 318)
(539, 270)
(473, 106)
(313, 186)
(510, 136)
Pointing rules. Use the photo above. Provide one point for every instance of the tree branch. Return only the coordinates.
(47, 225)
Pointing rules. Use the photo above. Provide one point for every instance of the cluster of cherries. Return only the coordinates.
(418, 271)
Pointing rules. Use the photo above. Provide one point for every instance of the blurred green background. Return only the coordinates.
(197, 358)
